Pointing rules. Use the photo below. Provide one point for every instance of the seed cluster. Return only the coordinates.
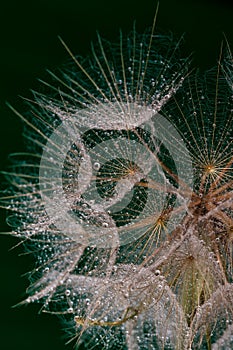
(125, 197)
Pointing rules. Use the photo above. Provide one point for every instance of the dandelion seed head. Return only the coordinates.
(125, 197)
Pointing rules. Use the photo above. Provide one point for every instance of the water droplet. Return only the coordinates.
(96, 166)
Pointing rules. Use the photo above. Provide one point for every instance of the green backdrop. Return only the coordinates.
(29, 45)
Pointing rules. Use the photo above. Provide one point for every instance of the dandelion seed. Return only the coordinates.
(125, 198)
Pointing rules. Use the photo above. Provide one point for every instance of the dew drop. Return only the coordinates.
(96, 166)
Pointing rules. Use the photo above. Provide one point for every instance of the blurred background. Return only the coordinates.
(29, 45)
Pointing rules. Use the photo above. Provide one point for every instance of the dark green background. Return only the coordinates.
(29, 45)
